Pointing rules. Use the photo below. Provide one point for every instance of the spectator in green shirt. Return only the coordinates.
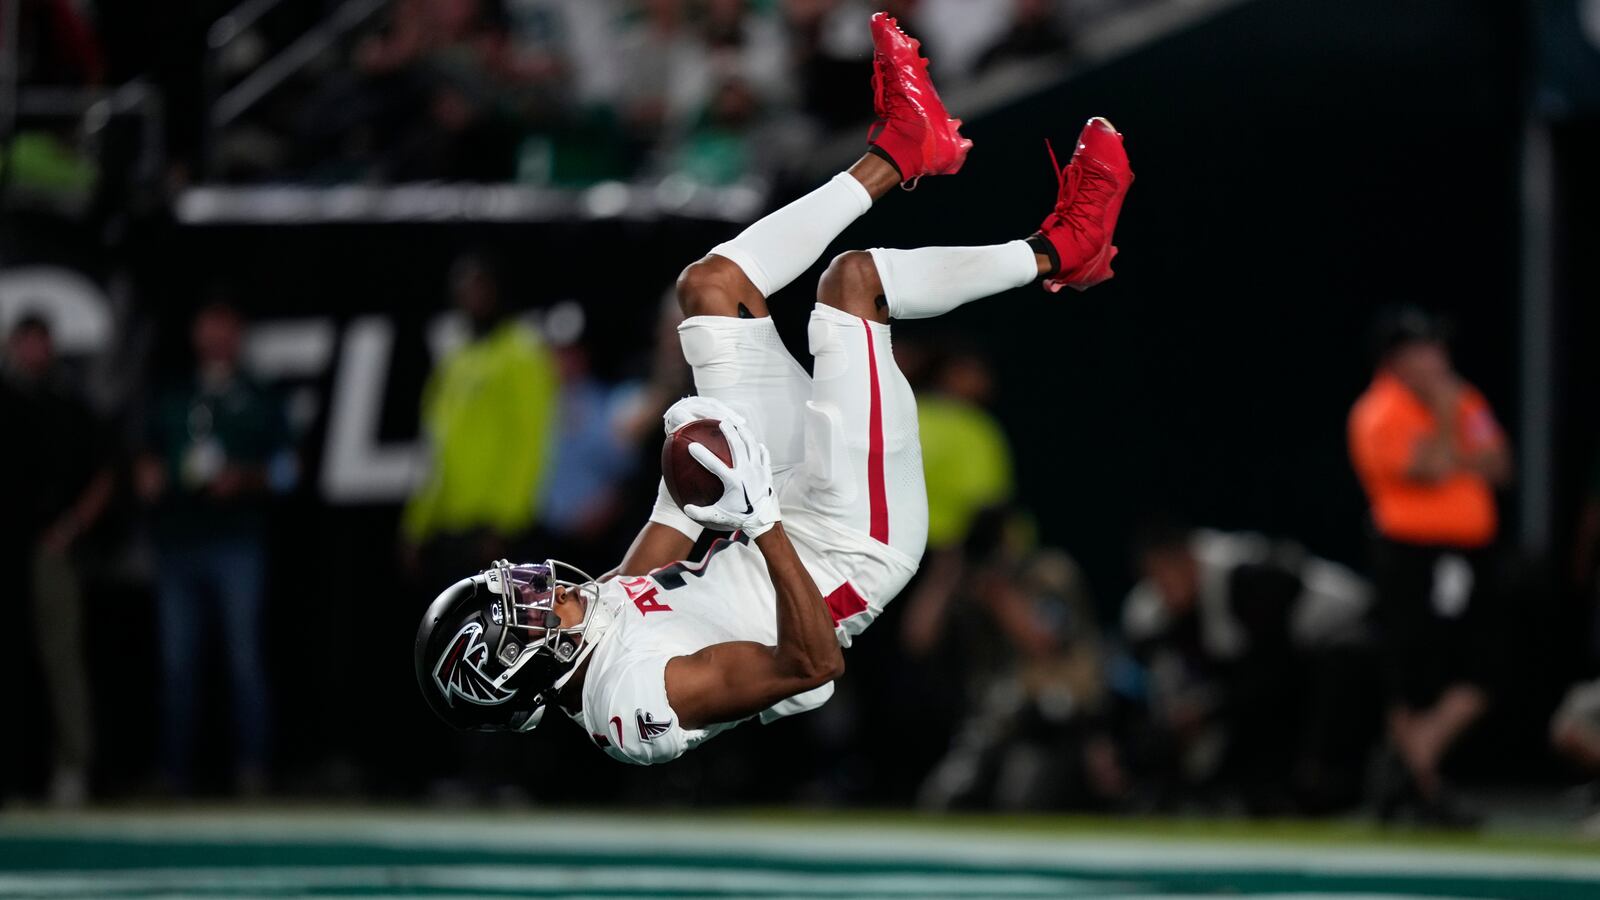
(488, 416)
(216, 447)
(964, 450)
(967, 463)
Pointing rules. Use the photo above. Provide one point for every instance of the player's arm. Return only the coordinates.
(736, 680)
(670, 534)
(657, 545)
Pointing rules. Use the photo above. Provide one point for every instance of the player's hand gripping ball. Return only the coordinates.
(687, 409)
(715, 469)
(690, 483)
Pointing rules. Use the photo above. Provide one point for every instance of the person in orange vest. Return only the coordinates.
(1429, 455)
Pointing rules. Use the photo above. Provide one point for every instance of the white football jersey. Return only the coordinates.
(683, 608)
(847, 466)
(676, 611)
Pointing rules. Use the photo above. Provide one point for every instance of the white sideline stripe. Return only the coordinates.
(507, 878)
(668, 836)
(1298, 895)
(1304, 895)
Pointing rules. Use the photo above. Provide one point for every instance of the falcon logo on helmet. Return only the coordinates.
(460, 670)
(496, 642)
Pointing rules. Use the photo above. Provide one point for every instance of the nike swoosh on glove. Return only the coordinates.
(748, 503)
(692, 408)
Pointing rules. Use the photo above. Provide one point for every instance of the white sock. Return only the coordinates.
(781, 245)
(931, 281)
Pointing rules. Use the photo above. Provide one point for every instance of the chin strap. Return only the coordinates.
(598, 617)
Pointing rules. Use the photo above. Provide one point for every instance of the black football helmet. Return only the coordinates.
(491, 651)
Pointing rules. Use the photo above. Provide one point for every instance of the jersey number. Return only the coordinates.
(648, 604)
(643, 595)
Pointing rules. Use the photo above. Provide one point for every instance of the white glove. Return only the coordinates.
(748, 503)
(691, 408)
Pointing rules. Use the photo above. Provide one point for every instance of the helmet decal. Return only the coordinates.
(493, 650)
(459, 671)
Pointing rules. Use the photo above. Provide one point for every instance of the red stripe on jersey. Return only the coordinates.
(844, 602)
(878, 494)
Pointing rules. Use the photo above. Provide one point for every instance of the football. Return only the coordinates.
(689, 483)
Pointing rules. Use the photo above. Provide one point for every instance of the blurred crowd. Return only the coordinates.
(541, 92)
(1242, 672)
(570, 92)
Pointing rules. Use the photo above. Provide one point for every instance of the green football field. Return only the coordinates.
(223, 852)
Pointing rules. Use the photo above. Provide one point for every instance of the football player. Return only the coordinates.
(823, 500)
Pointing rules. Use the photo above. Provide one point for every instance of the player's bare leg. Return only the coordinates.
(914, 137)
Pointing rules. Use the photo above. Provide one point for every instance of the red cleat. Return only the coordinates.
(1093, 185)
(914, 132)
